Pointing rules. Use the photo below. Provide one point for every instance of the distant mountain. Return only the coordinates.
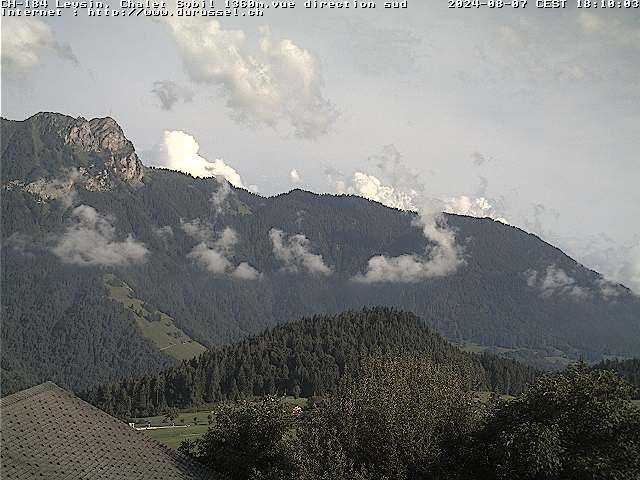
(97, 247)
(303, 358)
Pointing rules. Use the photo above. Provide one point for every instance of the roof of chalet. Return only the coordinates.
(49, 433)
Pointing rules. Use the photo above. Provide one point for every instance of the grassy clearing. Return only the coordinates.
(157, 326)
(172, 437)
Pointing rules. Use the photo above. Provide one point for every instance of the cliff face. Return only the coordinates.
(104, 136)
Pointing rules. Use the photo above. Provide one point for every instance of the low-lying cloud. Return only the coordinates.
(91, 241)
(399, 187)
(275, 83)
(555, 281)
(295, 253)
(213, 254)
(442, 257)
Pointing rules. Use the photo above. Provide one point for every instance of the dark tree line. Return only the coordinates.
(302, 358)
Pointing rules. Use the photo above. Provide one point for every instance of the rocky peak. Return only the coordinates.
(105, 137)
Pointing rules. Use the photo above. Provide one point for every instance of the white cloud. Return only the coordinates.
(294, 176)
(294, 253)
(244, 271)
(91, 240)
(403, 190)
(441, 258)
(371, 187)
(213, 255)
(26, 42)
(179, 151)
(278, 83)
(555, 281)
(480, 207)
(212, 260)
(398, 187)
(169, 93)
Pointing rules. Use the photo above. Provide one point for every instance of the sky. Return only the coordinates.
(530, 116)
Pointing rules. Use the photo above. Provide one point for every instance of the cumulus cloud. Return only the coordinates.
(371, 187)
(26, 41)
(294, 252)
(480, 207)
(276, 83)
(169, 93)
(179, 151)
(555, 281)
(91, 241)
(213, 254)
(294, 176)
(396, 187)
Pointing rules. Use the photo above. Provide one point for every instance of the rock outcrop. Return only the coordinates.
(104, 136)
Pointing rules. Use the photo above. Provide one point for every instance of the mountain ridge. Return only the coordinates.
(162, 231)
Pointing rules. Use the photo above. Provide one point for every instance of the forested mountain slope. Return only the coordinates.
(77, 204)
(305, 357)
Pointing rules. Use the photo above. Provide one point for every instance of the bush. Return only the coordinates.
(249, 441)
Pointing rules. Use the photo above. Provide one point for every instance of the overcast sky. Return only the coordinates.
(531, 116)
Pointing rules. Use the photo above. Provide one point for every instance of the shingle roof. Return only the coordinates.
(49, 433)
